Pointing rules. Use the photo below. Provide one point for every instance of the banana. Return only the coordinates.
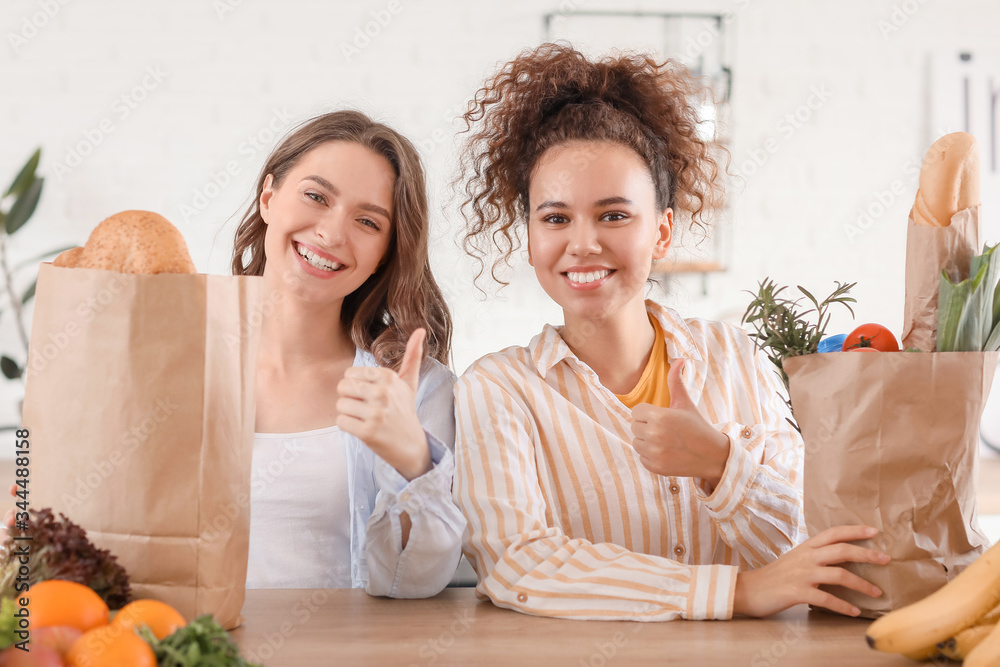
(987, 652)
(958, 647)
(959, 604)
(991, 618)
(920, 655)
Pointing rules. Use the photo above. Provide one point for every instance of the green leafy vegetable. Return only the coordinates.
(200, 643)
(8, 624)
(968, 311)
(60, 550)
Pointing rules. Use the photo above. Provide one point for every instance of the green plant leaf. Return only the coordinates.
(993, 342)
(985, 291)
(37, 258)
(9, 368)
(30, 292)
(23, 207)
(960, 315)
(966, 309)
(26, 176)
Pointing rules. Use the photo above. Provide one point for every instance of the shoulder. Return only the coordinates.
(718, 334)
(510, 370)
(710, 338)
(434, 374)
(514, 359)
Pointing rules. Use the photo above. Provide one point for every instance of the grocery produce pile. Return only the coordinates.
(73, 588)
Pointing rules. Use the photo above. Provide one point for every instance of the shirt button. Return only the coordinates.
(675, 489)
(747, 433)
(521, 597)
(679, 550)
(405, 497)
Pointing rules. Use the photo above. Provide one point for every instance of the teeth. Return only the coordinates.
(590, 277)
(316, 260)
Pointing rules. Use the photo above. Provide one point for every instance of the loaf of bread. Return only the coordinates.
(949, 180)
(132, 242)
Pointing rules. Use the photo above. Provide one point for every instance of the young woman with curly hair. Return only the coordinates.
(352, 462)
(632, 463)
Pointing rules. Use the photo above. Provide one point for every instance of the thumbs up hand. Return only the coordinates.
(678, 441)
(379, 406)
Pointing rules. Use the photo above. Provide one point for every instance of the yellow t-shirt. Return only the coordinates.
(652, 386)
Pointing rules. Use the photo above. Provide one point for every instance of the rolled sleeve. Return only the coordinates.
(434, 546)
(736, 478)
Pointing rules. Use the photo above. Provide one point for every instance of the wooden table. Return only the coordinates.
(302, 628)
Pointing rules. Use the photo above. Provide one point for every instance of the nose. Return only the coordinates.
(332, 228)
(583, 239)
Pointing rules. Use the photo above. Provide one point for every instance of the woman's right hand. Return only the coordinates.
(794, 578)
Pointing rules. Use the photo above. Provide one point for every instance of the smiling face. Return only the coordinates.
(329, 222)
(594, 228)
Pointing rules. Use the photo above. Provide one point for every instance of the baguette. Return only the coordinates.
(949, 180)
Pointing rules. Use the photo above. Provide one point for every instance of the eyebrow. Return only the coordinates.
(550, 204)
(607, 201)
(374, 208)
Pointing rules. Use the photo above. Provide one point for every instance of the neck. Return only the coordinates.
(615, 345)
(298, 335)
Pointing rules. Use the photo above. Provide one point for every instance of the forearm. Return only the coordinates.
(414, 537)
(565, 578)
(758, 510)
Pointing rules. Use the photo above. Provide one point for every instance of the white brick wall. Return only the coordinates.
(226, 75)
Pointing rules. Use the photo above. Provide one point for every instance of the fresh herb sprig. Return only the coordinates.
(783, 327)
(200, 643)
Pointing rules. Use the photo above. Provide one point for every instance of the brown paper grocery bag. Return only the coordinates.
(929, 250)
(140, 406)
(892, 441)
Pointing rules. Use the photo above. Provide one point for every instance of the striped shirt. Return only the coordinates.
(563, 519)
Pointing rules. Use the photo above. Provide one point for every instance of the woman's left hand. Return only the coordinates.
(678, 441)
(379, 406)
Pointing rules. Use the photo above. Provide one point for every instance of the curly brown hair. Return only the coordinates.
(553, 94)
(402, 295)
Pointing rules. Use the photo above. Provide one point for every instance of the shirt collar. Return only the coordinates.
(548, 348)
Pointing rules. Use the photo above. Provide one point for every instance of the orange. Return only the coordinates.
(161, 618)
(58, 602)
(110, 646)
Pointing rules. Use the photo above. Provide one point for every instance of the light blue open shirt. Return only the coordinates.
(379, 494)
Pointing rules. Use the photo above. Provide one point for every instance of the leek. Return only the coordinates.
(969, 311)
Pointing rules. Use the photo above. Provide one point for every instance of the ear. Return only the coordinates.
(265, 198)
(665, 234)
(528, 244)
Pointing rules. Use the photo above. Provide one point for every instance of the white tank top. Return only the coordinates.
(300, 523)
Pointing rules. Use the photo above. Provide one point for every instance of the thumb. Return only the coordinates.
(409, 369)
(679, 396)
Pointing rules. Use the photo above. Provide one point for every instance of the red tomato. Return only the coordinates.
(871, 336)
